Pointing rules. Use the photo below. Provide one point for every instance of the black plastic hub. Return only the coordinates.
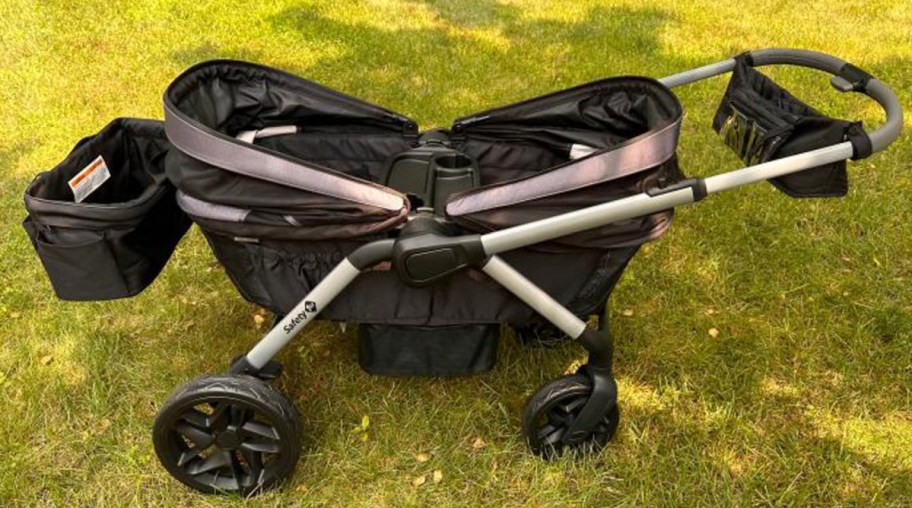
(228, 438)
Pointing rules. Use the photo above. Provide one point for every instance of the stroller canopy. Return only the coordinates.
(267, 155)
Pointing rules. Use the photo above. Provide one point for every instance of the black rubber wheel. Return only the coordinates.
(228, 434)
(549, 413)
(540, 335)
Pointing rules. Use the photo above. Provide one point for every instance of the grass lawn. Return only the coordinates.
(803, 397)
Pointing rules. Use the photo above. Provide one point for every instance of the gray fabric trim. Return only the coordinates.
(268, 132)
(646, 151)
(234, 156)
(203, 209)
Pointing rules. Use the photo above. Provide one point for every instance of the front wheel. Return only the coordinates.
(550, 412)
(228, 433)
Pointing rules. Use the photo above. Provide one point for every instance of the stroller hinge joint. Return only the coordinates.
(424, 259)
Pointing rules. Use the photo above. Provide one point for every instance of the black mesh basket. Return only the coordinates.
(761, 121)
(117, 238)
(456, 350)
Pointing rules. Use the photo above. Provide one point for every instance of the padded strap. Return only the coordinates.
(236, 156)
(638, 154)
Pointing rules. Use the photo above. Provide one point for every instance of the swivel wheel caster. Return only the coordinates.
(550, 412)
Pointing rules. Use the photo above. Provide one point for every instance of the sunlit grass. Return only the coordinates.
(802, 397)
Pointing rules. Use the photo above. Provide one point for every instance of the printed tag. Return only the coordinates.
(577, 151)
(89, 179)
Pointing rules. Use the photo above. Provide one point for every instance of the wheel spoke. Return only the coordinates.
(189, 455)
(553, 438)
(569, 407)
(255, 463)
(261, 447)
(211, 463)
(219, 417)
(257, 429)
(557, 419)
(200, 438)
(237, 470)
(238, 415)
(196, 418)
(545, 430)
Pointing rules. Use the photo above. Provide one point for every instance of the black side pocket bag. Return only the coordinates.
(761, 121)
(105, 221)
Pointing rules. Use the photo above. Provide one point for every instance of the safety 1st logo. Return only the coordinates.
(310, 308)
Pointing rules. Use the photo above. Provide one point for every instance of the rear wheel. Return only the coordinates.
(228, 433)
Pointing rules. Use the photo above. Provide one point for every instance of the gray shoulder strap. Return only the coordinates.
(646, 151)
(231, 155)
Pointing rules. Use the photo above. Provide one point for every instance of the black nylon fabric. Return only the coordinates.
(339, 133)
(284, 261)
(357, 139)
(523, 140)
(114, 243)
(761, 121)
(278, 275)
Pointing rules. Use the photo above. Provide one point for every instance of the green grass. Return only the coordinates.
(803, 398)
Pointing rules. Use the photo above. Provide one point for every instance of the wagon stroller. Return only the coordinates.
(322, 205)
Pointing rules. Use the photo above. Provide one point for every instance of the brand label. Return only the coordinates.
(309, 309)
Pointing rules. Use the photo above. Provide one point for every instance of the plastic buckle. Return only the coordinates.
(851, 79)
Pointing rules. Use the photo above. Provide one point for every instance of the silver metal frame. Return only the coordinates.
(587, 218)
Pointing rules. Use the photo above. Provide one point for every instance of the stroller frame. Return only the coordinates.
(233, 432)
(427, 258)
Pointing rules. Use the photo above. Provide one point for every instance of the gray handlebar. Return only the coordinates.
(880, 138)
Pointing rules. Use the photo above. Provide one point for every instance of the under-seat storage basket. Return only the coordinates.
(458, 350)
(761, 121)
(105, 221)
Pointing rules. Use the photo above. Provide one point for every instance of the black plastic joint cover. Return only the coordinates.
(369, 255)
(747, 57)
(600, 346)
(861, 143)
(697, 185)
(421, 260)
(271, 370)
(856, 76)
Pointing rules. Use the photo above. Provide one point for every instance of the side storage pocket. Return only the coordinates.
(761, 121)
(104, 221)
(79, 264)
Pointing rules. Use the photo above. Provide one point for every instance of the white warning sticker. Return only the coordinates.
(89, 179)
(577, 151)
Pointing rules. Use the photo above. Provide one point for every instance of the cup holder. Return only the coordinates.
(453, 161)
